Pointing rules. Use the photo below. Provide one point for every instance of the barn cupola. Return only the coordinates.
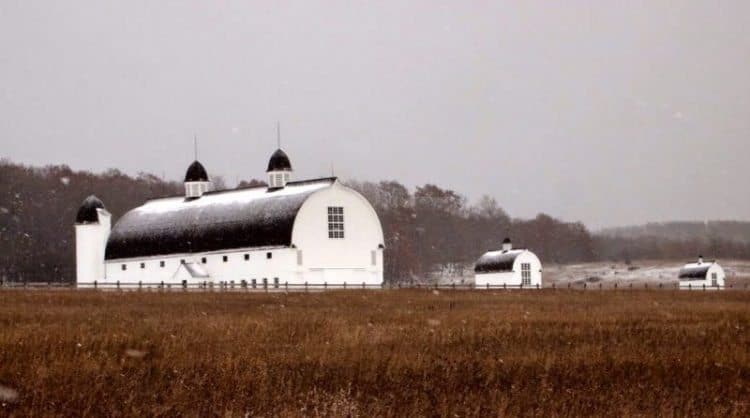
(507, 245)
(279, 170)
(196, 181)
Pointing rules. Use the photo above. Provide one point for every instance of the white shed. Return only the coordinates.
(708, 274)
(508, 267)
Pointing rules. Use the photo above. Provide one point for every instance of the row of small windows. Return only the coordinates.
(269, 255)
(204, 260)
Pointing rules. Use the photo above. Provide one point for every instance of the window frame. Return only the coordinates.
(526, 274)
(336, 222)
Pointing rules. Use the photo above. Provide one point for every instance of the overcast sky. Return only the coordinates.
(596, 111)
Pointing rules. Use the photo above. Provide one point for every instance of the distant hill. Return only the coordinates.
(735, 231)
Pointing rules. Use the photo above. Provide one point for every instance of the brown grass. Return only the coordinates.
(377, 353)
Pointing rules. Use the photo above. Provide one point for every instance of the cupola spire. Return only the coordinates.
(196, 177)
(279, 167)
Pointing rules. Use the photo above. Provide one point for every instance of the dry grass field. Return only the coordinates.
(376, 353)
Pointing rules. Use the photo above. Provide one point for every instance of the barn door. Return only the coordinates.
(526, 274)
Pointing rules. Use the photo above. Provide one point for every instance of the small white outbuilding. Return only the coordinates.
(703, 274)
(508, 267)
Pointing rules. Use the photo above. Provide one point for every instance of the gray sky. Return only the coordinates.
(596, 111)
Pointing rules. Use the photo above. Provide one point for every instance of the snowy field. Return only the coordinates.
(609, 273)
(644, 271)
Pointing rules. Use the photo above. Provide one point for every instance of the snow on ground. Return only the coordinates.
(637, 272)
(644, 271)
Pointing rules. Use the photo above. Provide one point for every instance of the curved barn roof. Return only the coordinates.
(196, 172)
(254, 217)
(695, 270)
(497, 261)
(87, 213)
(279, 162)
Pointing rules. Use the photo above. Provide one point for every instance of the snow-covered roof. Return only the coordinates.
(497, 261)
(240, 218)
(695, 270)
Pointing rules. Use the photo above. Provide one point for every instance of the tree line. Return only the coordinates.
(428, 231)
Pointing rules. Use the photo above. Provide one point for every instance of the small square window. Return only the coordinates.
(247, 257)
(161, 263)
(269, 255)
(225, 258)
(124, 267)
(143, 265)
(203, 260)
(182, 261)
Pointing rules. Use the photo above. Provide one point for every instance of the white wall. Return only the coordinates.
(236, 268)
(513, 278)
(91, 240)
(699, 283)
(339, 260)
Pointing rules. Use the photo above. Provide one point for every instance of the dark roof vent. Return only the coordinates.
(506, 241)
(196, 172)
(87, 213)
(279, 162)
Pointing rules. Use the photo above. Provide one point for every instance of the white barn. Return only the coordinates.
(708, 274)
(316, 231)
(508, 267)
